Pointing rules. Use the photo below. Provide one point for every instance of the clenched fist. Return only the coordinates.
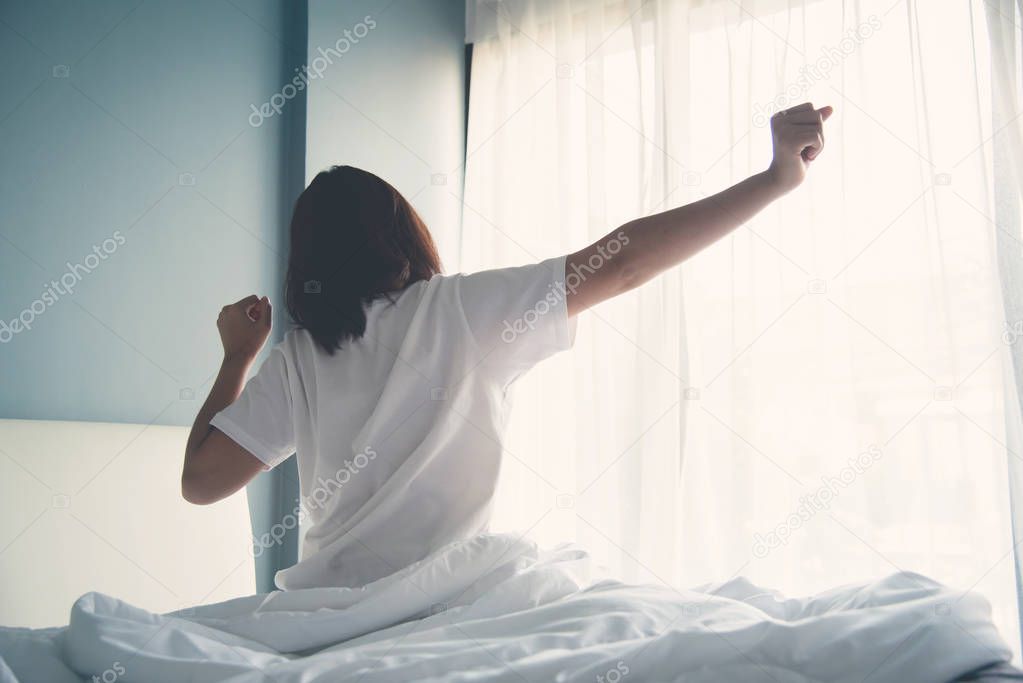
(244, 327)
(798, 135)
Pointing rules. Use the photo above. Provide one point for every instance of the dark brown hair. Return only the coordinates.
(354, 238)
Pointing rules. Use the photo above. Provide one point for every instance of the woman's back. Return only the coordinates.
(398, 432)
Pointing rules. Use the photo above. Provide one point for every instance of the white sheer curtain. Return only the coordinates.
(818, 399)
(1004, 18)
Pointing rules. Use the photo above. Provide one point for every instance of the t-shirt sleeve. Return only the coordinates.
(260, 421)
(518, 316)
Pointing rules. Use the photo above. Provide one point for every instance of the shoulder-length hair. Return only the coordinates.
(354, 238)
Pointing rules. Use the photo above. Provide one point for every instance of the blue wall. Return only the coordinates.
(133, 125)
(130, 160)
(394, 104)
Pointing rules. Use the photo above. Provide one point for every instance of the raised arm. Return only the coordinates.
(216, 466)
(643, 248)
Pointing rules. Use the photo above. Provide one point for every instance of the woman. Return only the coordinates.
(392, 388)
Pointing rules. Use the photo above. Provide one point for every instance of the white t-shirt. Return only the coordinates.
(398, 434)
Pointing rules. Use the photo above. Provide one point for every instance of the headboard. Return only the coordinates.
(95, 506)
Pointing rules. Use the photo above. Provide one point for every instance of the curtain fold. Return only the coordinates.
(819, 398)
(1002, 23)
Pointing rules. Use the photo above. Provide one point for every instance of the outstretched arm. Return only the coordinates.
(216, 466)
(643, 248)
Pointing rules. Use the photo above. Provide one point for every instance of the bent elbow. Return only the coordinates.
(196, 491)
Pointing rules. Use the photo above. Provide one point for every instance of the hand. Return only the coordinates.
(244, 327)
(798, 135)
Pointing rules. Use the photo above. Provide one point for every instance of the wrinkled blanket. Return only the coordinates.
(496, 608)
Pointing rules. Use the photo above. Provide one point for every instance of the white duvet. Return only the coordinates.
(495, 608)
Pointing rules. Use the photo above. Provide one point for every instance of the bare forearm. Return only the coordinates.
(215, 465)
(225, 391)
(666, 239)
(648, 246)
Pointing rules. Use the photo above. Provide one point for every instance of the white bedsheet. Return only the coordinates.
(495, 608)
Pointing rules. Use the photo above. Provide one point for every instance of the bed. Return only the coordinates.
(494, 607)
